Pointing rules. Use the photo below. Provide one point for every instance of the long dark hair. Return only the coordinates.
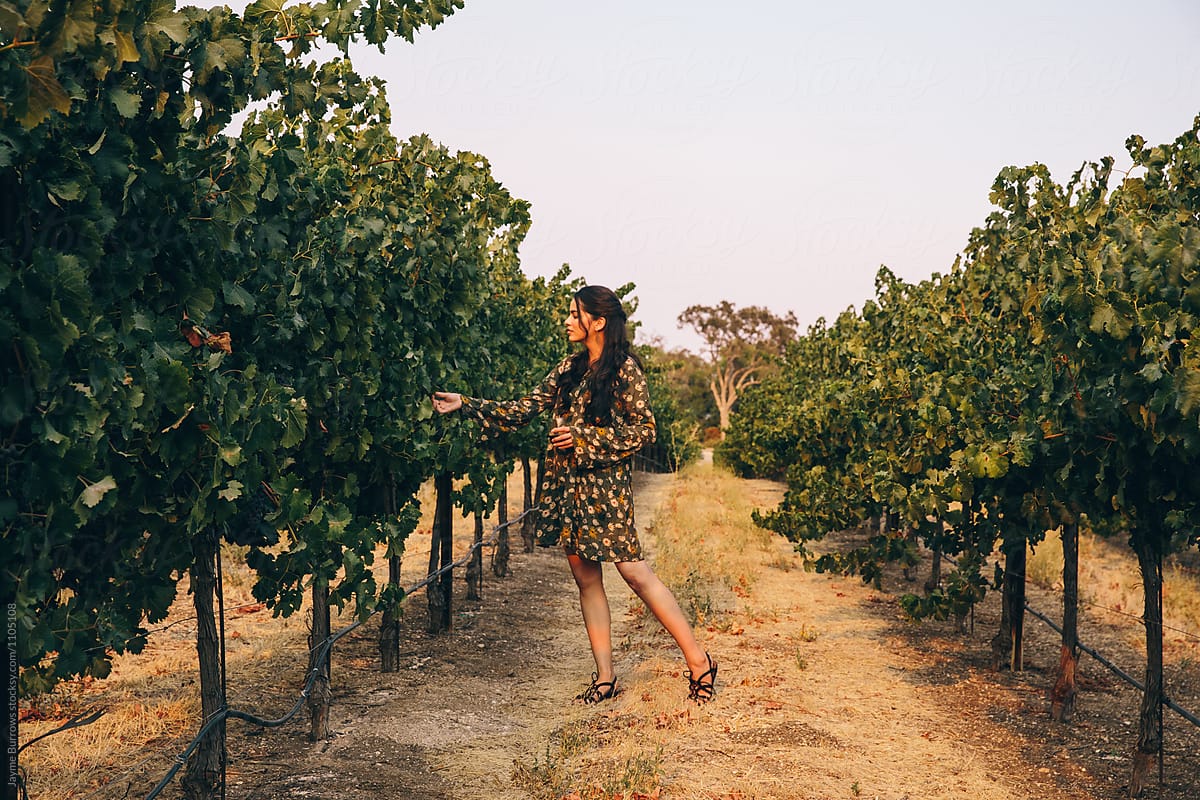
(603, 382)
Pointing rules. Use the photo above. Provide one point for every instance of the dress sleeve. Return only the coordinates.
(502, 416)
(633, 424)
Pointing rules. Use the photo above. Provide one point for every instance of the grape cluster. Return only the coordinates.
(10, 454)
(250, 527)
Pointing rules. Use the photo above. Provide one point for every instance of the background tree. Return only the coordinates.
(740, 344)
(686, 376)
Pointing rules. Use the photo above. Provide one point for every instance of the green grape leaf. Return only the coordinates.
(231, 454)
(127, 103)
(94, 493)
(165, 20)
(232, 491)
(237, 296)
(46, 94)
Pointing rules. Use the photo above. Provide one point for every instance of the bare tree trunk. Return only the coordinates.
(475, 565)
(1007, 646)
(1149, 743)
(1062, 699)
(935, 570)
(319, 659)
(727, 380)
(529, 526)
(1014, 579)
(527, 535)
(389, 628)
(723, 396)
(206, 767)
(503, 548)
(441, 553)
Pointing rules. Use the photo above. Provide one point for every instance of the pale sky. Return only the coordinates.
(777, 153)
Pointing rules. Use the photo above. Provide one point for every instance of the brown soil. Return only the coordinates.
(464, 706)
(824, 692)
(881, 708)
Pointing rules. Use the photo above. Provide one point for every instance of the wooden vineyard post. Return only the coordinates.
(1007, 645)
(389, 626)
(441, 553)
(475, 565)
(935, 569)
(1148, 751)
(1062, 699)
(432, 593)
(205, 768)
(319, 659)
(1014, 577)
(503, 546)
(447, 545)
(527, 527)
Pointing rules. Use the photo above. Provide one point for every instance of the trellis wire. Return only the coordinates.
(1187, 715)
(321, 651)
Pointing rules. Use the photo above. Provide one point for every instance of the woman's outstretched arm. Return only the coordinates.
(500, 416)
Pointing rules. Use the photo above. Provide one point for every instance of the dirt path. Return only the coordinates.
(464, 705)
(820, 696)
(824, 691)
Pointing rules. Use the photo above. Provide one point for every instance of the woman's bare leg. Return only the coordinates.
(662, 604)
(597, 618)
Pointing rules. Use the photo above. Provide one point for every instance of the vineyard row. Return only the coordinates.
(1047, 381)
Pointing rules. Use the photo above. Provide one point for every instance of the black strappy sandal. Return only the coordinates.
(598, 691)
(703, 689)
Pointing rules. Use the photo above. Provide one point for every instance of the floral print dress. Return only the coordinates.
(586, 493)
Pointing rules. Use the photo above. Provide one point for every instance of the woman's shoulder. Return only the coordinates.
(632, 366)
(631, 373)
(560, 369)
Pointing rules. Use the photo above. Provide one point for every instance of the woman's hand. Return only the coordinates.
(445, 402)
(561, 438)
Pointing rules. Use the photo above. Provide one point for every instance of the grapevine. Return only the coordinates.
(1045, 380)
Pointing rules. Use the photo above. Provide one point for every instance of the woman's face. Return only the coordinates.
(580, 324)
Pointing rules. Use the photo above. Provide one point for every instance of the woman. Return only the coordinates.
(602, 417)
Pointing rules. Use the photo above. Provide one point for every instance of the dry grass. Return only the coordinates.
(622, 771)
(814, 691)
(705, 549)
(1110, 588)
(71, 762)
(816, 698)
(151, 700)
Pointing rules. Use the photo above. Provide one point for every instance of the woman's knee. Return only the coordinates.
(587, 574)
(638, 575)
(588, 583)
